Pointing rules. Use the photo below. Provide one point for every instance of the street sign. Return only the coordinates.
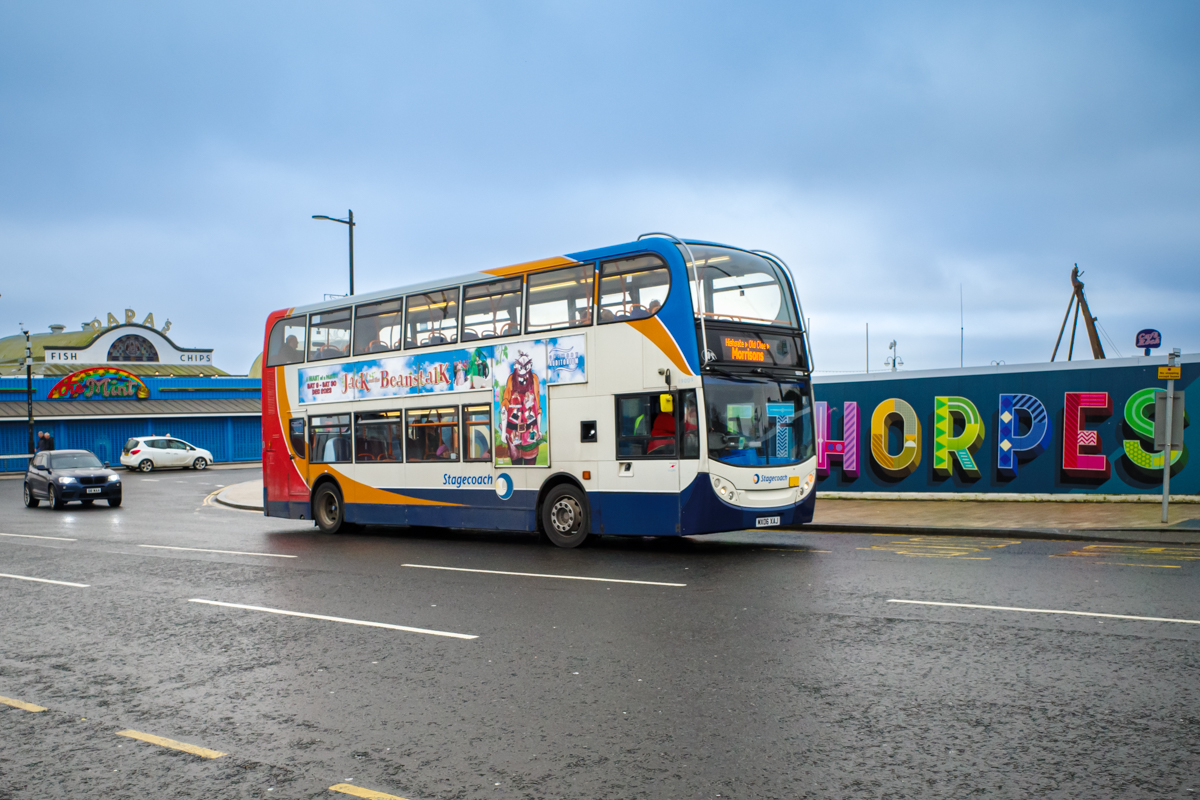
(1148, 338)
(1160, 420)
(1170, 373)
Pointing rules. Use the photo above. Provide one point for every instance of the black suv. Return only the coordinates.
(61, 476)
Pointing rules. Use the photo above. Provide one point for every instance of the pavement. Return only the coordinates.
(1114, 522)
(182, 648)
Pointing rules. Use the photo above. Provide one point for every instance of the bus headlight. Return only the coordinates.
(724, 489)
(808, 484)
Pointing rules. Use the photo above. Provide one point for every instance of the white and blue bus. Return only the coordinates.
(660, 387)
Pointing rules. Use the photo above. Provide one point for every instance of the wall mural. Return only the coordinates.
(1052, 437)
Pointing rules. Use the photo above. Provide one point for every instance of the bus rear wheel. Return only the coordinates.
(328, 510)
(564, 519)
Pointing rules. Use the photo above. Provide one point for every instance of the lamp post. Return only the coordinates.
(349, 222)
(29, 388)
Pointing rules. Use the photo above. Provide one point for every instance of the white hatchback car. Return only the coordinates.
(146, 453)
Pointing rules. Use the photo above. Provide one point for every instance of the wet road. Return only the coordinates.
(754, 665)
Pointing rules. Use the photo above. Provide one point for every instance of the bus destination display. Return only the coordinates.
(767, 351)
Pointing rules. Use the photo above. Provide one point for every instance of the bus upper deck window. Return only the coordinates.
(287, 342)
(431, 319)
(738, 286)
(377, 327)
(329, 335)
(492, 309)
(633, 288)
(560, 298)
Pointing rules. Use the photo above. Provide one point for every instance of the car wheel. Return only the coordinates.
(146, 465)
(87, 503)
(30, 500)
(56, 501)
(564, 518)
(114, 501)
(328, 511)
(200, 463)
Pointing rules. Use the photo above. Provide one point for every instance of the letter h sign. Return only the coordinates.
(845, 448)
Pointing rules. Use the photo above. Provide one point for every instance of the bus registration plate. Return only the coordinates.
(766, 522)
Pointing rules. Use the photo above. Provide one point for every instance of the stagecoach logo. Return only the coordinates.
(459, 481)
(503, 486)
(768, 479)
(100, 383)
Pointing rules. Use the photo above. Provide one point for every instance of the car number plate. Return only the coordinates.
(766, 522)
(94, 490)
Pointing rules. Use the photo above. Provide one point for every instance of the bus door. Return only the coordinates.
(292, 459)
(647, 474)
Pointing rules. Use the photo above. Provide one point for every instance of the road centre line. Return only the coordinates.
(31, 536)
(358, 791)
(195, 750)
(203, 550)
(21, 704)
(44, 580)
(366, 623)
(539, 575)
(1047, 611)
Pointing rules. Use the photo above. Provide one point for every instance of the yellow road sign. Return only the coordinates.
(1170, 373)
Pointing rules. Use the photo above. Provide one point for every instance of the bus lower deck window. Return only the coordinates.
(378, 436)
(330, 439)
(432, 434)
(477, 433)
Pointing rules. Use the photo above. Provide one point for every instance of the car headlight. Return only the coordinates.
(66, 479)
(114, 478)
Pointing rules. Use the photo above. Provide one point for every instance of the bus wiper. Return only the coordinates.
(722, 372)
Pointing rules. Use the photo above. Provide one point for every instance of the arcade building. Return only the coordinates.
(96, 387)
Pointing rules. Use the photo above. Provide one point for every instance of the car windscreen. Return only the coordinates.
(74, 461)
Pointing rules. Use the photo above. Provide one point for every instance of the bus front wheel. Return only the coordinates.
(564, 519)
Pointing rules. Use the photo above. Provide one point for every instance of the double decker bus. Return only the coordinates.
(655, 388)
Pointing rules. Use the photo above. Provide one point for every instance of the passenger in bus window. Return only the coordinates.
(290, 350)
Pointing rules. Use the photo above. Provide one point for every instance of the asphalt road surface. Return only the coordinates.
(752, 665)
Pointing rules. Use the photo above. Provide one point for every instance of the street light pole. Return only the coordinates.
(349, 222)
(29, 387)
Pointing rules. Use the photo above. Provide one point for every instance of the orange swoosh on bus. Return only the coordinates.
(531, 266)
(653, 329)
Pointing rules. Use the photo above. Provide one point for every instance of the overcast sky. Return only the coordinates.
(168, 157)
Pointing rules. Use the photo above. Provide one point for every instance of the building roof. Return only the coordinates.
(137, 368)
(60, 409)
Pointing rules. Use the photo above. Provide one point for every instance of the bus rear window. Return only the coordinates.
(286, 345)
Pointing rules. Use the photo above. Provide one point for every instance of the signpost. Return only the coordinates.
(1148, 338)
(1168, 423)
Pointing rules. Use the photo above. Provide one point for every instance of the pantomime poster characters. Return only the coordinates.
(520, 411)
(447, 371)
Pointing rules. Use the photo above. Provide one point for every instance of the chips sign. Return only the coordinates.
(100, 383)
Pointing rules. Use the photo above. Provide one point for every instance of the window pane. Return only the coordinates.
(329, 335)
(378, 436)
(432, 319)
(432, 435)
(633, 288)
(377, 327)
(742, 287)
(492, 309)
(643, 430)
(560, 298)
(689, 417)
(287, 342)
(477, 433)
(330, 439)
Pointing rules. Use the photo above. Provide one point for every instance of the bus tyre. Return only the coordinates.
(328, 511)
(564, 520)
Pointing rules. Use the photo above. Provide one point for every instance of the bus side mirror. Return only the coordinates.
(666, 403)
